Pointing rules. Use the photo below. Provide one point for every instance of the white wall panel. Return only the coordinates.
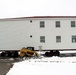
(15, 34)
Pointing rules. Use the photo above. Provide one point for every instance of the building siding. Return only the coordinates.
(15, 34)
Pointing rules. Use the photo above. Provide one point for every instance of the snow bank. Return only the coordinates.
(45, 66)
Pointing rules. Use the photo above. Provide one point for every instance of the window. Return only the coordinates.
(58, 39)
(72, 23)
(42, 39)
(74, 39)
(42, 24)
(57, 23)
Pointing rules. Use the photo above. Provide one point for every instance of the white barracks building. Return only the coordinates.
(50, 32)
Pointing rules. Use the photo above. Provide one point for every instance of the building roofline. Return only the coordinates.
(52, 17)
(17, 18)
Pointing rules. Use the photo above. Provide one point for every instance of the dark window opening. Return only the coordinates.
(72, 23)
(58, 39)
(57, 23)
(42, 24)
(73, 39)
(42, 39)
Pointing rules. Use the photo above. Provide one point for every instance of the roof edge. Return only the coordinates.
(52, 17)
(38, 17)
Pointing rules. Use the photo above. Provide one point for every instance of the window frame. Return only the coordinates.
(73, 38)
(73, 24)
(42, 39)
(57, 24)
(58, 39)
(42, 24)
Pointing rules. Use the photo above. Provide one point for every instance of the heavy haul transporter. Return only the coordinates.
(44, 33)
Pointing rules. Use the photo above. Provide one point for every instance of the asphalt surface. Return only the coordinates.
(4, 68)
(6, 64)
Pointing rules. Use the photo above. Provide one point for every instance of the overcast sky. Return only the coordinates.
(23, 8)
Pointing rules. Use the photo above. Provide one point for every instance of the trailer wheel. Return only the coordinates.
(14, 54)
(51, 53)
(56, 53)
(6, 54)
(3, 54)
(46, 53)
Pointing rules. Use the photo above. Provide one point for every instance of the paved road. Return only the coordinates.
(6, 64)
(4, 68)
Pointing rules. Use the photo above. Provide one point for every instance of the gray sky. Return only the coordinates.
(23, 8)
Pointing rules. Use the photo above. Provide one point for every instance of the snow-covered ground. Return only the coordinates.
(45, 66)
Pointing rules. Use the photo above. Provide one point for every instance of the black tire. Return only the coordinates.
(46, 53)
(51, 53)
(3, 54)
(56, 53)
(14, 54)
